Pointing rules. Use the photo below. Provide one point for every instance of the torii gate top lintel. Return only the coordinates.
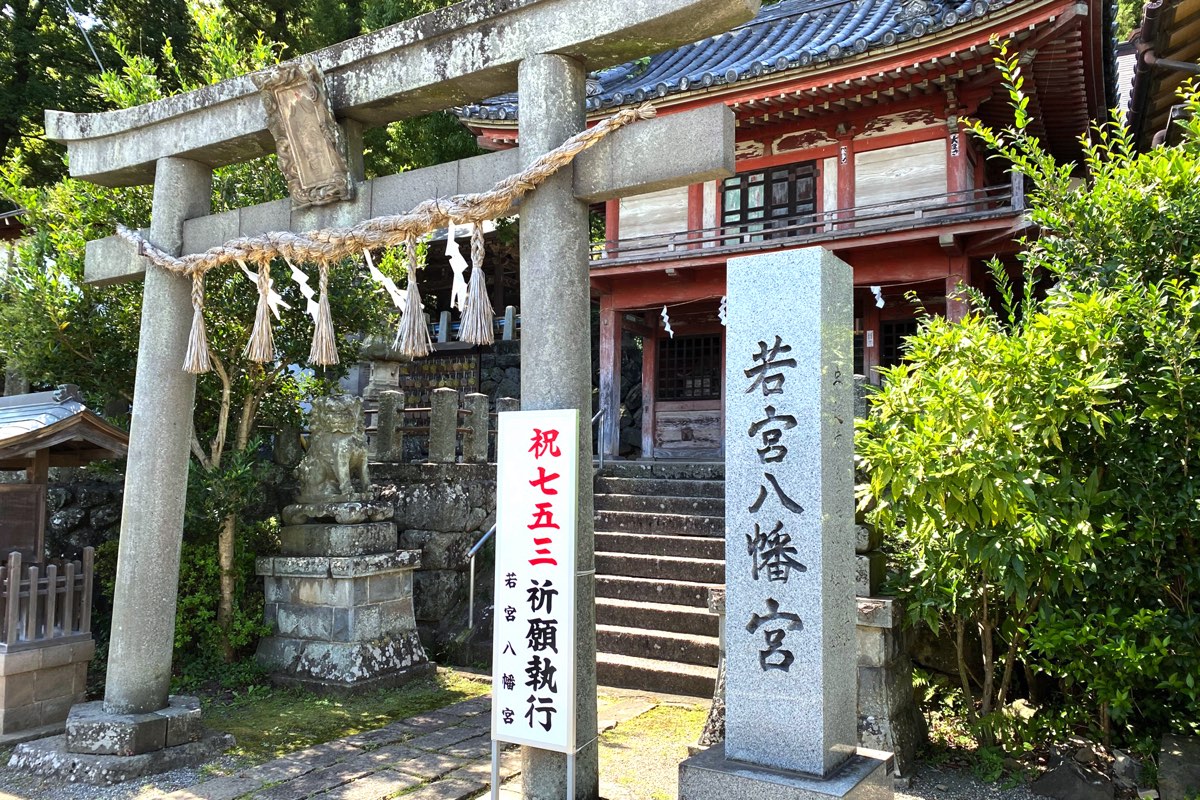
(453, 56)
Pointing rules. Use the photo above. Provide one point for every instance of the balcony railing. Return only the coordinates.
(962, 206)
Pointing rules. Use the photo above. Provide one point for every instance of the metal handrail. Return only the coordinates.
(471, 587)
(599, 436)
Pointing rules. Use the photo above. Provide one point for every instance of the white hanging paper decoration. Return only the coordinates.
(723, 311)
(274, 301)
(878, 292)
(667, 323)
(458, 289)
(312, 307)
(398, 296)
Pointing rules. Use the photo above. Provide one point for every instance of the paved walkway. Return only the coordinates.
(440, 755)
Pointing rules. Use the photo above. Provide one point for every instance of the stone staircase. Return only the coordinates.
(660, 545)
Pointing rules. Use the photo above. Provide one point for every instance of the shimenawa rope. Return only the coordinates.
(333, 244)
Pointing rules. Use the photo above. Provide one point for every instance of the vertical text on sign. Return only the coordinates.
(533, 644)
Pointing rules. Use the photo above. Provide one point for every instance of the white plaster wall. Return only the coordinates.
(896, 174)
(829, 184)
(654, 213)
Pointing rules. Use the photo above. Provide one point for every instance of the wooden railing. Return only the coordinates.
(37, 608)
(965, 205)
(505, 327)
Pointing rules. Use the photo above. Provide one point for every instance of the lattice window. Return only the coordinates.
(689, 368)
(770, 198)
(891, 340)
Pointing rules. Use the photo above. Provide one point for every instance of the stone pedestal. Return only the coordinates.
(344, 621)
(101, 747)
(888, 716)
(711, 776)
(38, 686)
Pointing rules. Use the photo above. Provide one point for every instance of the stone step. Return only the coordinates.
(657, 617)
(671, 524)
(650, 590)
(661, 487)
(650, 675)
(684, 648)
(673, 568)
(708, 547)
(671, 470)
(662, 504)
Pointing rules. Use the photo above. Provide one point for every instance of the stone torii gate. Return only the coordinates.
(461, 54)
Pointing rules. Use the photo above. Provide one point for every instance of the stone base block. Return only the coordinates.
(40, 683)
(338, 540)
(50, 757)
(710, 776)
(888, 716)
(342, 667)
(1179, 767)
(91, 730)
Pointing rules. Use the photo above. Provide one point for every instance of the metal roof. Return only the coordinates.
(791, 35)
(23, 413)
(58, 421)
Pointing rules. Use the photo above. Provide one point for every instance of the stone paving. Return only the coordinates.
(439, 755)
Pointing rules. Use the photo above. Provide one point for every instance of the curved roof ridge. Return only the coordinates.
(790, 35)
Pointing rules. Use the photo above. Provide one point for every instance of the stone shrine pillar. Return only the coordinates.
(556, 369)
(789, 626)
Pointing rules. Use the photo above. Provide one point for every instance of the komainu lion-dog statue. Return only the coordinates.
(337, 453)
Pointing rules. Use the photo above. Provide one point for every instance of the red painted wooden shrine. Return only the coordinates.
(850, 135)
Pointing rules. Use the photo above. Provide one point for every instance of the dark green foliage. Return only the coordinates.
(1129, 17)
(46, 63)
(211, 496)
(1037, 468)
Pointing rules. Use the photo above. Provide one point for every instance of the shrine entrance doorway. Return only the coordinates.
(686, 417)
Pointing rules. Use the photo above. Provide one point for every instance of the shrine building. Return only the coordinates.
(849, 134)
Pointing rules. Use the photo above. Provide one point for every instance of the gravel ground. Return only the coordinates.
(943, 783)
(32, 787)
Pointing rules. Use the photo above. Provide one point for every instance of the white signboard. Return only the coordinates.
(533, 644)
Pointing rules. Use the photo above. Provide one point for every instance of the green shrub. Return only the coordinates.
(1036, 468)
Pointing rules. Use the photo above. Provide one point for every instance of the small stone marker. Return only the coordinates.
(789, 625)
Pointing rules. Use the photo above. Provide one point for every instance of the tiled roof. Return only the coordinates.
(791, 35)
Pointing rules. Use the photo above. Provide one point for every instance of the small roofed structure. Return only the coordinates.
(39, 431)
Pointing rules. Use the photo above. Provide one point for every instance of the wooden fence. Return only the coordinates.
(40, 604)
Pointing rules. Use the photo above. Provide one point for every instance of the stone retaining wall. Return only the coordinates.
(442, 510)
(38, 686)
(82, 509)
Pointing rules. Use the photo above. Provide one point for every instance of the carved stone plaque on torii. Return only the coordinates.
(451, 57)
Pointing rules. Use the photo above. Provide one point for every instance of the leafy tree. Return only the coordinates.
(1036, 468)
(53, 328)
(45, 62)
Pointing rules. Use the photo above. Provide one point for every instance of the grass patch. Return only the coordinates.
(642, 756)
(269, 722)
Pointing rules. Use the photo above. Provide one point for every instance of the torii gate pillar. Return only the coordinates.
(160, 431)
(557, 359)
